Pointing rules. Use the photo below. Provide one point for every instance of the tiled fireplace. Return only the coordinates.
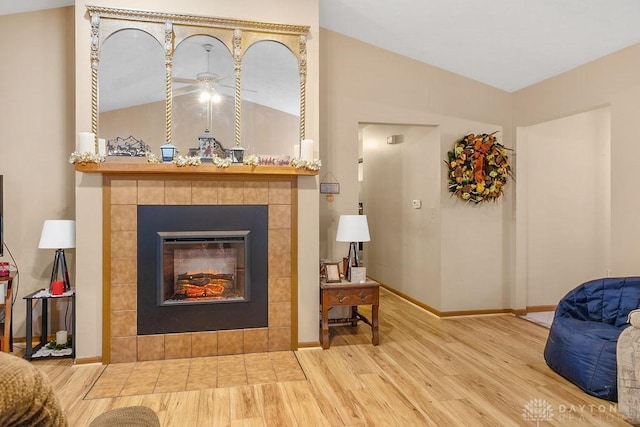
(123, 195)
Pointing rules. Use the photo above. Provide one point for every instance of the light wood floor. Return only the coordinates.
(471, 371)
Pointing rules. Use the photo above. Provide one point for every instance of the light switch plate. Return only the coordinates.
(416, 204)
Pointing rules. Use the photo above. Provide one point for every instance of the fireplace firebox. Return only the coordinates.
(202, 268)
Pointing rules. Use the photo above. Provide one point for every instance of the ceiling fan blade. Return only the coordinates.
(183, 80)
(185, 89)
(243, 89)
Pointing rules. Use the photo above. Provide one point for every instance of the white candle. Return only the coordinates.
(102, 147)
(86, 142)
(61, 337)
(306, 149)
(296, 151)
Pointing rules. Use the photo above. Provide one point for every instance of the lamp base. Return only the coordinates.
(352, 260)
(60, 262)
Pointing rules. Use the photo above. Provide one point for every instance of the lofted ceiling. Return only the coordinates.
(507, 44)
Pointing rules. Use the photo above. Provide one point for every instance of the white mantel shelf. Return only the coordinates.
(116, 168)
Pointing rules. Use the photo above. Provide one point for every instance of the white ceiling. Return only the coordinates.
(508, 44)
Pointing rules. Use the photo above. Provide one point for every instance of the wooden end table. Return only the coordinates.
(345, 293)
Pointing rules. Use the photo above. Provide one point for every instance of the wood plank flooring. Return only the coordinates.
(468, 371)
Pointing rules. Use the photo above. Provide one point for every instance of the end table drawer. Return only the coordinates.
(364, 296)
(352, 296)
(338, 296)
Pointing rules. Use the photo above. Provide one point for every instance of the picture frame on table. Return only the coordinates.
(332, 271)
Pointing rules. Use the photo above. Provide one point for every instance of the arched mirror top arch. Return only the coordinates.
(170, 30)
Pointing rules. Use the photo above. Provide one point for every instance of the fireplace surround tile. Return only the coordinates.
(256, 340)
(256, 193)
(204, 343)
(123, 297)
(123, 323)
(279, 216)
(279, 289)
(279, 339)
(279, 265)
(177, 192)
(280, 241)
(230, 193)
(150, 347)
(279, 314)
(230, 342)
(204, 192)
(277, 194)
(280, 193)
(123, 270)
(123, 217)
(123, 349)
(150, 192)
(124, 192)
(177, 346)
(124, 244)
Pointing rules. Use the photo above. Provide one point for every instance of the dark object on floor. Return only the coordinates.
(582, 341)
(130, 416)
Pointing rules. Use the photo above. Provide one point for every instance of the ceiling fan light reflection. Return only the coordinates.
(205, 96)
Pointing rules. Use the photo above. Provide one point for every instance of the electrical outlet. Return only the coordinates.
(416, 204)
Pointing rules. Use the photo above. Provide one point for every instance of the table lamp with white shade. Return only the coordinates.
(59, 235)
(352, 229)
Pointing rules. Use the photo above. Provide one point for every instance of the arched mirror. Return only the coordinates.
(270, 98)
(131, 88)
(203, 93)
(170, 77)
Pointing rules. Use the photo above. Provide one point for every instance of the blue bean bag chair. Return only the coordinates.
(582, 341)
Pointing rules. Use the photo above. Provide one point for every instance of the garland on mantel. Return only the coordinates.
(478, 168)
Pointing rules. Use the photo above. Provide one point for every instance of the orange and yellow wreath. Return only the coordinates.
(478, 168)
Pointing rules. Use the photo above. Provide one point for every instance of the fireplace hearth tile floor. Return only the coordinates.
(166, 376)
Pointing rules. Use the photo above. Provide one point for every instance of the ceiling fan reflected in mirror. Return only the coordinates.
(207, 83)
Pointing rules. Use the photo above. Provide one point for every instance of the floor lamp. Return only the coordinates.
(352, 229)
(58, 235)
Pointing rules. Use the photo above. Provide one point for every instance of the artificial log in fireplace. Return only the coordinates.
(202, 268)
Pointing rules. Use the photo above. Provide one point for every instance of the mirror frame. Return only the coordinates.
(170, 29)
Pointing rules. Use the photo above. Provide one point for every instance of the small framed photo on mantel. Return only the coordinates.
(358, 274)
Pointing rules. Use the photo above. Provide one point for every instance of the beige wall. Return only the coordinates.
(364, 84)
(609, 81)
(36, 138)
(566, 229)
(405, 247)
(88, 187)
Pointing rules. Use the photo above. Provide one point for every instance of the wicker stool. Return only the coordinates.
(130, 416)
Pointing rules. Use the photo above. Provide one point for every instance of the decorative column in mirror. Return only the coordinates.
(132, 87)
(228, 38)
(203, 95)
(270, 98)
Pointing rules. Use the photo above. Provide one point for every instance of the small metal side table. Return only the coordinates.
(44, 297)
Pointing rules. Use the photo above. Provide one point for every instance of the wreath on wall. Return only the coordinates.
(478, 168)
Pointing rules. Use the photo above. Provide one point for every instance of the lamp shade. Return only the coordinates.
(58, 234)
(353, 228)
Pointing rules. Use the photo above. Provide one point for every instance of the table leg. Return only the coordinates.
(374, 324)
(28, 350)
(324, 333)
(354, 315)
(45, 322)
